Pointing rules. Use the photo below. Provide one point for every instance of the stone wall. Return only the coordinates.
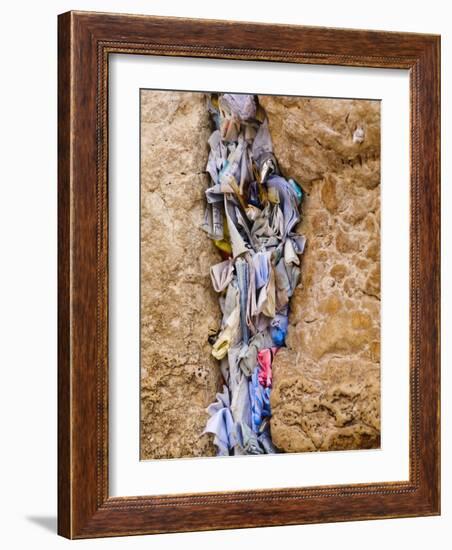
(326, 392)
(179, 376)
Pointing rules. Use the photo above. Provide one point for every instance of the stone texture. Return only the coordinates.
(179, 376)
(326, 385)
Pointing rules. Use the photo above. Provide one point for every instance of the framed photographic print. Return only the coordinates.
(248, 275)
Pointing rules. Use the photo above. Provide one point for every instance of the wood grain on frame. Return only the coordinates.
(85, 42)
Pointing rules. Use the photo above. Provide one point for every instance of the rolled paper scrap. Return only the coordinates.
(241, 268)
(261, 262)
(265, 359)
(220, 422)
(217, 222)
(297, 189)
(259, 401)
(290, 256)
(224, 246)
(243, 106)
(278, 336)
(229, 331)
(221, 275)
(252, 212)
(267, 297)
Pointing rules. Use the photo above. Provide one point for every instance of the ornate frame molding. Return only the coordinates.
(85, 42)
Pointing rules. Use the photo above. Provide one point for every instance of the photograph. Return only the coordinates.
(259, 274)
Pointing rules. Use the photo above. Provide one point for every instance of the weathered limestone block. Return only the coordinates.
(316, 137)
(326, 385)
(178, 306)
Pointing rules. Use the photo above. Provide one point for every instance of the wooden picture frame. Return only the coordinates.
(85, 42)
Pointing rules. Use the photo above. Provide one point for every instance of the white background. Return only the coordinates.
(28, 272)
(128, 475)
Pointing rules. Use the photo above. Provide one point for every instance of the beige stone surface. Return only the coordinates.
(179, 376)
(326, 385)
